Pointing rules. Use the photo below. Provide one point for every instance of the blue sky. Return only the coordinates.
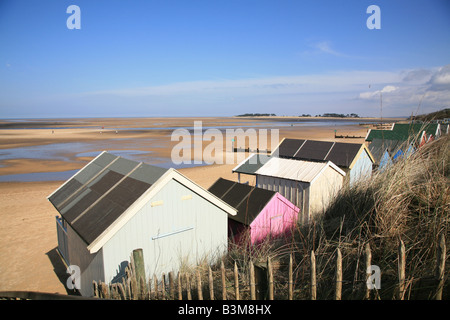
(222, 58)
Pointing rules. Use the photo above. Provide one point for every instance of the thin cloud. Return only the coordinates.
(325, 47)
(355, 91)
(302, 84)
(372, 94)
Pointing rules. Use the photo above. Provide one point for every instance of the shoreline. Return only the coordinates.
(57, 150)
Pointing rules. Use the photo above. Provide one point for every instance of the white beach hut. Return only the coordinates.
(308, 185)
(354, 159)
(114, 205)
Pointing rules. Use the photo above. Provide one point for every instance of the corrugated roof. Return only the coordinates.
(298, 170)
(340, 153)
(247, 200)
(98, 194)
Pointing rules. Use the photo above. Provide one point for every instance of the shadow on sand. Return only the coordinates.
(59, 268)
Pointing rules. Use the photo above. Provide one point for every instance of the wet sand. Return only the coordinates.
(28, 259)
(145, 135)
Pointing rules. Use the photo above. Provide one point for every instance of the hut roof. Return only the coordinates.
(247, 200)
(297, 170)
(100, 194)
(289, 147)
(340, 153)
(251, 164)
(378, 146)
(403, 131)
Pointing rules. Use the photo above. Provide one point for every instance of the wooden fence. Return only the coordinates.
(229, 283)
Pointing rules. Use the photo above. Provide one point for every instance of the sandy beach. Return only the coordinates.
(28, 258)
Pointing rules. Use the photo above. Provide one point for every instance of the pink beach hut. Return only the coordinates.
(262, 213)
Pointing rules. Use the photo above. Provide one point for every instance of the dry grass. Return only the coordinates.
(408, 201)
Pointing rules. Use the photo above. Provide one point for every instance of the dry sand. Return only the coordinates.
(28, 259)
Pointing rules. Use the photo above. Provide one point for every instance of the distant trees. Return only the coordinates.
(257, 115)
(340, 115)
(325, 115)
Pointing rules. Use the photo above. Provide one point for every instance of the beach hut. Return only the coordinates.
(354, 159)
(386, 152)
(262, 213)
(309, 185)
(114, 205)
(417, 132)
(402, 150)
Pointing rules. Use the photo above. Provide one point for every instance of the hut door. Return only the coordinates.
(276, 224)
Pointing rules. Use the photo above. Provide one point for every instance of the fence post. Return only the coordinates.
(252, 282)
(440, 266)
(180, 293)
(291, 282)
(401, 270)
(211, 284)
(139, 267)
(313, 276)
(188, 287)
(270, 277)
(163, 286)
(224, 285)
(199, 286)
(236, 281)
(338, 295)
(368, 255)
(95, 286)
